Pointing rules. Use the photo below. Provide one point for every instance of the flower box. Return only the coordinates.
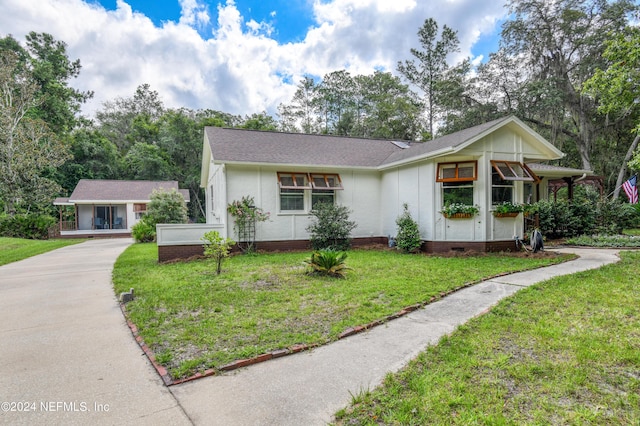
(508, 214)
(458, 215)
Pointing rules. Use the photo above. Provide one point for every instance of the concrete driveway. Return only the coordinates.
(66, 353)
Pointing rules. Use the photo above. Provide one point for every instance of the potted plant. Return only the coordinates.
(459, 211)
(507, 209)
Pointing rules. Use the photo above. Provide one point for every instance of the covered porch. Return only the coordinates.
(86, 220)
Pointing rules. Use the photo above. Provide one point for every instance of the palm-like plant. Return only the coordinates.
(328, 262)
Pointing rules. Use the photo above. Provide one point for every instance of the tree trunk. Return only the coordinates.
(623, 168)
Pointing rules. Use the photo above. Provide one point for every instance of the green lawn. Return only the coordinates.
(566, 351)
(194, 320)
(14, 249)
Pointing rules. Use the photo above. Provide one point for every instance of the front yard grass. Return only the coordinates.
(193, 319)
(14, 249)
(566, 351)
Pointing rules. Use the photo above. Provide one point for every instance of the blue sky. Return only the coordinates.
(240, 56)
(290, 18)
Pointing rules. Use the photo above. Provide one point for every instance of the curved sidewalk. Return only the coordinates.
(309, 387)
(66, 353)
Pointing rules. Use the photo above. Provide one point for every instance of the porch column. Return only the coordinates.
(569, 181)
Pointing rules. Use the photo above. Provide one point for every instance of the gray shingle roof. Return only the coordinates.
(120, 190)
(250, 146)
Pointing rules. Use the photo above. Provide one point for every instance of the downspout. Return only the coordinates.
(584, 175)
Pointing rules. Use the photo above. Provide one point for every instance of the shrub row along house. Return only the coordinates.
(287, 174)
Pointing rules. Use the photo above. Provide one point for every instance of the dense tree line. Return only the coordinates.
(569, 68)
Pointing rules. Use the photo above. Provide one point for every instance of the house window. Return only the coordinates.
(503, 175)
(324, 186)
(514, 171)
(323, 181)
(322, 196)
(292, 186)
(139, 209)
(298, 190)
(457, 172)
(457, 193)
(501, 189)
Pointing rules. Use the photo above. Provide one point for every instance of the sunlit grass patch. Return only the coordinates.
(195, 319)
(14, 249)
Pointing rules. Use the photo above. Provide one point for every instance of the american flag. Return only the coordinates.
(631, 189)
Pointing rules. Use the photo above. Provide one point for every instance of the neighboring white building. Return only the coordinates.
(286, 173)
(109, 207)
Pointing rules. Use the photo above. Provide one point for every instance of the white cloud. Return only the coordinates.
(238, 68)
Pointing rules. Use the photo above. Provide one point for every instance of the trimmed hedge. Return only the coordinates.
(29, 226)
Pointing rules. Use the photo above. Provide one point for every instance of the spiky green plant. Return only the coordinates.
(328, 262)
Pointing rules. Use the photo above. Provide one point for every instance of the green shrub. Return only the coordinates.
(144, 231)
(586, 214)
(408, 237)
(166, 207)
(328, 262)
(332, 227)
(217, 248)
(30, 226)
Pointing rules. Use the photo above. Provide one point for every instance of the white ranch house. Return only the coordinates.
(286, 173)
(108, 208)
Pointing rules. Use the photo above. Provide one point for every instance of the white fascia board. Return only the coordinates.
(411, 160)
(109, 201)
(296, 165)
(207, 157)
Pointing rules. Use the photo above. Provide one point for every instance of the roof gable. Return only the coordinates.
(120, 190)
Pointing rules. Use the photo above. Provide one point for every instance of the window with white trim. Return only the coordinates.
(299, 190)
(457, 181)
(501, 189)
(503, 175)
(457, 193)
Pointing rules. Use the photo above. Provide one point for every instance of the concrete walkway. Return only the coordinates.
(67, 355)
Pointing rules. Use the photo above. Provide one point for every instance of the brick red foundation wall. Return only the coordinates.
(167, 253)
(462, 246)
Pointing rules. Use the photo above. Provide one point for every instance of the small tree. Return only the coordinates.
(216, 248)
(408, 238)
(332, 227)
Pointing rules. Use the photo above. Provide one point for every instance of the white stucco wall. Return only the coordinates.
(183, 233)
(415, 186)
(361, 194)
(215, 195)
